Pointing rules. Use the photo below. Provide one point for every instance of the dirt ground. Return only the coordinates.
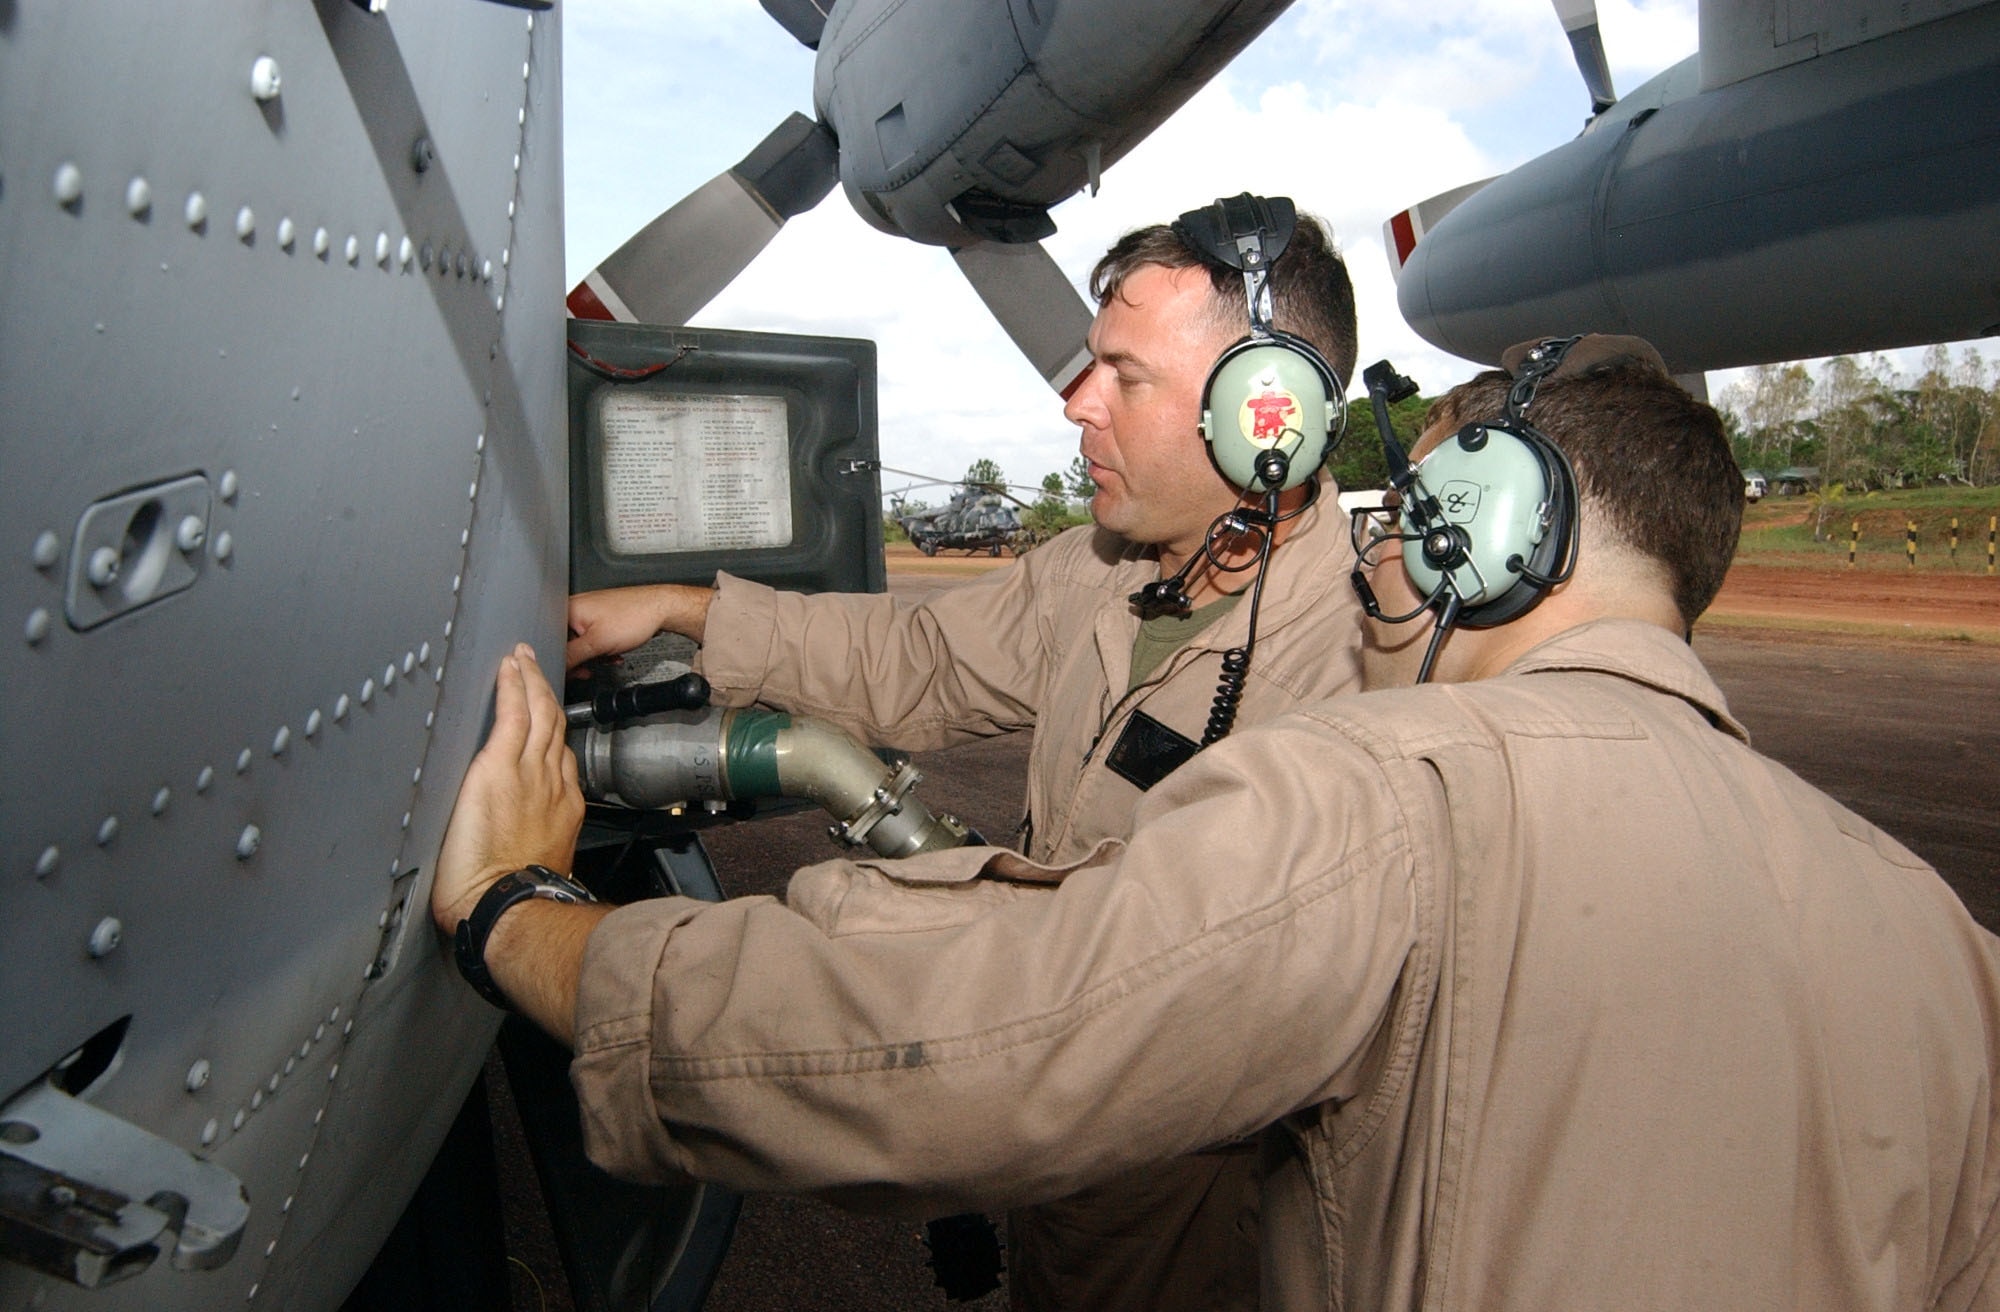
(1887, 601)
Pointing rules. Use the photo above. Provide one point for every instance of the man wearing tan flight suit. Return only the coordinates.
(1537, 987)
(1055, 645)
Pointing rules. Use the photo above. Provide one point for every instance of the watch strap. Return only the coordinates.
(469, 938)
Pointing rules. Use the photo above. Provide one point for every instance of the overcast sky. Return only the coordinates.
(1375, 112)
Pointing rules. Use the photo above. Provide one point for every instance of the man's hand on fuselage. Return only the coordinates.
(519, 804)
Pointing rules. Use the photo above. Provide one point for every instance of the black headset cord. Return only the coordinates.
(1236, 661)
(1447, 617)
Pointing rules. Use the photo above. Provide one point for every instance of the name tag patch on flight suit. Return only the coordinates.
(1149, 751)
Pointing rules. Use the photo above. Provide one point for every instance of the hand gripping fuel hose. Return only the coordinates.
(712, 754)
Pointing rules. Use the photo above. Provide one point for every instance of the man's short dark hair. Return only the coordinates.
(1653, 464)
(1311, 296)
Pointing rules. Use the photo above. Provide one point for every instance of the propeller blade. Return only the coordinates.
(1579, 20)
(1402, 232)
(677, 263)
(804, 19)
(1032, 300)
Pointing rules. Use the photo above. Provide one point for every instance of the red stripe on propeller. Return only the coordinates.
(583, 304)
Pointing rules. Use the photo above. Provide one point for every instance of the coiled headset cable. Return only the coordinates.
(1169, 595)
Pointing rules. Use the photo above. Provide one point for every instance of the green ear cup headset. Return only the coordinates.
(1272, 407)
(1489, 517)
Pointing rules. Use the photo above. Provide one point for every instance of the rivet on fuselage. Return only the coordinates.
(265, 79)
(68, 185)
(106, 936)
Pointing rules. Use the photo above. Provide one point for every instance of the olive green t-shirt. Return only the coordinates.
(1162, 635)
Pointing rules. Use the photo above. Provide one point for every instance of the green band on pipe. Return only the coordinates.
(750, 754)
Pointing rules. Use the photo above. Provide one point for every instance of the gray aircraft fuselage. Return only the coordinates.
(282, 423)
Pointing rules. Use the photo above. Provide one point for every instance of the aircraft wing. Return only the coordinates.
(1745, 206)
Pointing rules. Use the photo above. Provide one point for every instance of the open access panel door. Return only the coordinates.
(694, 450)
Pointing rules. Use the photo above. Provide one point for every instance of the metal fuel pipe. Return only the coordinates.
(711, 754)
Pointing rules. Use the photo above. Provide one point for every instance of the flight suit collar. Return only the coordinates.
(1644, 653)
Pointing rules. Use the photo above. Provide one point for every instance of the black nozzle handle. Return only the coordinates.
(614, 706)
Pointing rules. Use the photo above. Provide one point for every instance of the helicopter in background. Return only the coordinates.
(975, 520)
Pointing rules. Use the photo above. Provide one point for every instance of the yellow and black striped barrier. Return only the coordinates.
(1910, 540)
(1992, 522)
(1853, 542)
(1954, 541)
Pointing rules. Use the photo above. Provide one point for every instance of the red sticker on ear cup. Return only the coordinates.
(1267, 416)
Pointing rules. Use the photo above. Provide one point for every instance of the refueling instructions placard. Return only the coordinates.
(692, 472)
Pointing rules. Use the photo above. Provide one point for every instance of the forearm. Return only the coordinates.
(535, 954)
(681, 608)
(918, 677)
(616, 620)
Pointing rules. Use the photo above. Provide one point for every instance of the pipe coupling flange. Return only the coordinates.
(887, 801)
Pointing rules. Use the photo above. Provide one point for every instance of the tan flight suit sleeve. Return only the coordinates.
(928, 1041)
(968, 662)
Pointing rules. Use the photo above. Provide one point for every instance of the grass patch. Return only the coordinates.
(1779, 530)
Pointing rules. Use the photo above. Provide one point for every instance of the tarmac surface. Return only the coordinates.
(1907, 733)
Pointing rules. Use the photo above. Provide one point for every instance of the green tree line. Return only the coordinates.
(1860, 427)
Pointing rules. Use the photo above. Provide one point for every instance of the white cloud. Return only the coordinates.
(1640, 39)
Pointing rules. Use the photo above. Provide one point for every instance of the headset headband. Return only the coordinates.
(1246, 233)
(1543, 358)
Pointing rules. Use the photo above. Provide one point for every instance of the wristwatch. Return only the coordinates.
(469, 939)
